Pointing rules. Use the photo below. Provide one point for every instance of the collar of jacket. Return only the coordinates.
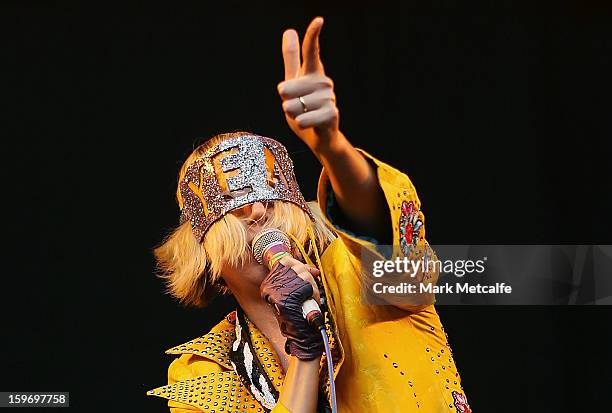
(214, 345)
(216, 391)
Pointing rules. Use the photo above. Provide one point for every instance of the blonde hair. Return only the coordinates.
(192, 270)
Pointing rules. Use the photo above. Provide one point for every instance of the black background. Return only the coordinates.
(499, 113)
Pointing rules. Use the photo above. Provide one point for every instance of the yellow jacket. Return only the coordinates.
(391, 360)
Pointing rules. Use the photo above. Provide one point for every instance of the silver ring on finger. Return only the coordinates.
(304, 107)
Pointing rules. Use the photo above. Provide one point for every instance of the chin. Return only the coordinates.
(254, 272)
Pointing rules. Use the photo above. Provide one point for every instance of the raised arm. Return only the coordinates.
(310, 108)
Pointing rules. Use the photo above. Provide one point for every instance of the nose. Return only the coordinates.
(256, 212)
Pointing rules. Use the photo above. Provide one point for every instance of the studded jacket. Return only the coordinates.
(386, 359)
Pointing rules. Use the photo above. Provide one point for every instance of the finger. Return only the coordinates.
(314, 271)
(322, 117)
(304, 85)
(291, 54)
(296, 87)
(299, 268)
(312, 102)
(310, 47)
(306, 276)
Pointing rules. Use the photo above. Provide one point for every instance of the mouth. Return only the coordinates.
(254, 228)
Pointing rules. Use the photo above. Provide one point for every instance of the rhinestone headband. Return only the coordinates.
(235, 172)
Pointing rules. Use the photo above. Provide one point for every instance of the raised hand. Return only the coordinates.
(308, 95)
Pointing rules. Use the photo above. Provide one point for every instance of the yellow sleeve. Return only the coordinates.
(408, 229)
(403, 206)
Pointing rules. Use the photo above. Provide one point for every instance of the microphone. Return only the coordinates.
(269, 246)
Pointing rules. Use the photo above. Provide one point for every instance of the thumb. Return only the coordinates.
(314, 271)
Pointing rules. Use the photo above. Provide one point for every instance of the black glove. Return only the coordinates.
(286, 291)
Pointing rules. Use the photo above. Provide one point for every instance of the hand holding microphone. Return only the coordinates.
(289, 288)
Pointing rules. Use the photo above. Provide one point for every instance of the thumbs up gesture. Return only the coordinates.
(308, 95)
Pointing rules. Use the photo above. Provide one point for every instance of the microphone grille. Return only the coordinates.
(266, 238)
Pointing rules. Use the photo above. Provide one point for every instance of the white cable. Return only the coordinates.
(330, 370)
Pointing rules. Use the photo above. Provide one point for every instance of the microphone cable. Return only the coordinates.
(330, 370)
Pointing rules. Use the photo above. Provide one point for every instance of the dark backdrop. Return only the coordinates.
(499, 113)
